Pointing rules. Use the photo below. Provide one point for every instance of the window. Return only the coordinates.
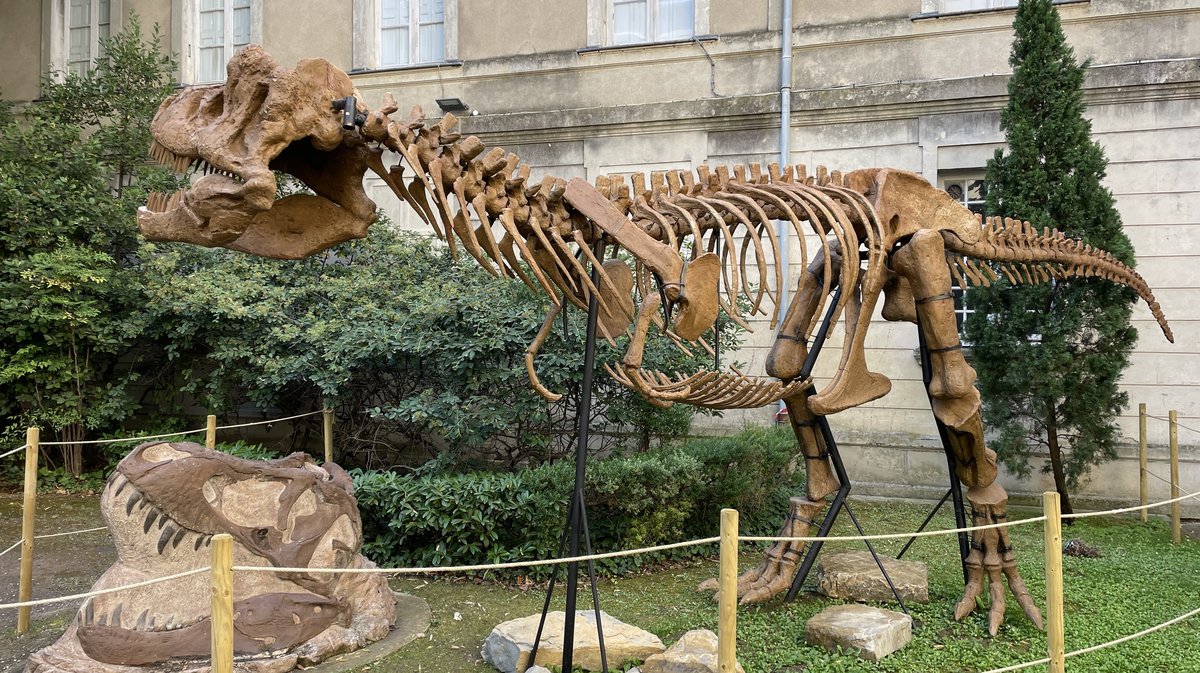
(975, 5)
(614, 23)
(86, 23)
(222, 26)
(638, 21)
(411, 31)
(971, 191)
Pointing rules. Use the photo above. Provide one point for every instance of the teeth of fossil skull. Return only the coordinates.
(178, 537)
(121, 482)
(89, 611)
(150, 520)
(115, 618)
(141, 620)
(163, 539)
(134, 498)
(199, 541)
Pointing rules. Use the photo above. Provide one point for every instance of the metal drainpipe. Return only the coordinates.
(785, 123)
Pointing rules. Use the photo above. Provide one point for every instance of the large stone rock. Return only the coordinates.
(854, 576)
(509, 644)
(873, 632)
(694, 652)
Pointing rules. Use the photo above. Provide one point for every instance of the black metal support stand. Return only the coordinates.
(955, 490)
(576, 528)
(839, 498)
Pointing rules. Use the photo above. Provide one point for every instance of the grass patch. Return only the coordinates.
(1142, 580)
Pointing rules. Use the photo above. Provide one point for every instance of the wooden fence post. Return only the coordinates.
(28, 510)
(727, 612)
(1143, 460)
(222, 603)
(1176, 522)
(210, 434)
(1055, 638)
(328, 418)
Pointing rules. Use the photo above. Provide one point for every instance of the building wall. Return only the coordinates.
(875, 83)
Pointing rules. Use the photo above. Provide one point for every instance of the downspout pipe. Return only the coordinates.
(785, 123)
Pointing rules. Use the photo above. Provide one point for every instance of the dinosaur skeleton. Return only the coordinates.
(699, 244)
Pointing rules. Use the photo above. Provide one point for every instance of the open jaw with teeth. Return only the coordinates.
(231, 138)
(163, 504)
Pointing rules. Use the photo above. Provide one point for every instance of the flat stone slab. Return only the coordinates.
(854, 576)
(509, 644)
(873, 632)
(694, 652)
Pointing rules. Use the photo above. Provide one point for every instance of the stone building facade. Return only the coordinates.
(590, 87)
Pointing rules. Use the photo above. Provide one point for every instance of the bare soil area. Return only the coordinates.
(61, 565)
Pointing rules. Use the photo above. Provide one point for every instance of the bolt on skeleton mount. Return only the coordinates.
(700, 244)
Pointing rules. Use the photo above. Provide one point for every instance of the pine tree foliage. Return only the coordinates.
(1049, 357)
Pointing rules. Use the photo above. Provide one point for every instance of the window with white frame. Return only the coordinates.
(641, 21)
(971, 191)
(221, 27)
(411, 32)
(87, 22)
(949, 6)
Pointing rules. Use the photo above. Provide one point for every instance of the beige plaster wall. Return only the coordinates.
(21, 69)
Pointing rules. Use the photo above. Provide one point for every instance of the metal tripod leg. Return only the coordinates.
(960, 513)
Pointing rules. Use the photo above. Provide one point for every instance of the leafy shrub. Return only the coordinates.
(658, 497)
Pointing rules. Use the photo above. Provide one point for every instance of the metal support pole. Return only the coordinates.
(1176, 520)
(210, 433)
(222, 603)
(1143, 460)
(327, 417)
(1055, 638)
(28, 509)
(727, 612)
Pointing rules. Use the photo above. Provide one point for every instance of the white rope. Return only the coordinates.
(890, 536)
(495, 566)
(126, 439)
(1134, 636)
(277, 420)
(74, 597)
(14, 546)
(1084, 515)
(16, 450)
(1028, 664)
(73, 532)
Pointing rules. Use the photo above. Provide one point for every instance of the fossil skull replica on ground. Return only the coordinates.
(163, 504)
(700, 244)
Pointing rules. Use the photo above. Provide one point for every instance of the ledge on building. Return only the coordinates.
(992, 10)
(448, 63)
(643, 45)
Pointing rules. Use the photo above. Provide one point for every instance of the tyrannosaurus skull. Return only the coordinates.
(233, 137)
(163, 505)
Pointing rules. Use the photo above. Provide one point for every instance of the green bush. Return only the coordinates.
(646, 499)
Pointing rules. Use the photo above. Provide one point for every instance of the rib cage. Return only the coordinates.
(1023, 256)
(727, 212)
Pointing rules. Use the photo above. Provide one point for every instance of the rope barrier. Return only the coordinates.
(171, 434)
(1165, 418)
(14, 546)
(1017, 667)
(277, 420)
(891, 536)
(493, 566)
(1084, 515)
(126, 439)
(73, 532)
(73, 597)
(1134, 636)
(16, 450)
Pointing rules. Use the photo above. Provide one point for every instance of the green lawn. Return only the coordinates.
(1141, 580)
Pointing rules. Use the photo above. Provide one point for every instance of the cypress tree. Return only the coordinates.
(1049, 357)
